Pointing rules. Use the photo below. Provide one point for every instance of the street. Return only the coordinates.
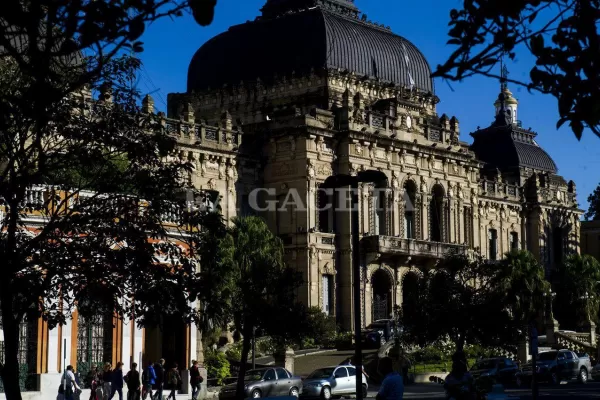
(560, 392)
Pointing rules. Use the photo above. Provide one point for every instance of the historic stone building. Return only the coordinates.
(590, 238)
(313, 88)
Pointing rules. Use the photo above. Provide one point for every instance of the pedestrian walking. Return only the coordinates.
(159, 369)
(173, 381)
(106, 381)
(195, 379)
(132, 379)
(148, 380)
(116, 384)
(69, 384)
(392, 387)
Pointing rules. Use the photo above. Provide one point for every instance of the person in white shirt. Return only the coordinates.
(69, 383)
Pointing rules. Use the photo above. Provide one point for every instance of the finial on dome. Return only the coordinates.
(505, 104)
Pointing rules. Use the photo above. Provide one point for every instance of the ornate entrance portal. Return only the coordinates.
(382, 295)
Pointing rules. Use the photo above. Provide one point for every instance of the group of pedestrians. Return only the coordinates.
(152, 382)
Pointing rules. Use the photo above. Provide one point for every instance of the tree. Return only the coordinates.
(521, 278)
(53, 56)
(562, 35)
(459, 302)
(97, 245)
(593, 212)
(265, 287)
(577, 290)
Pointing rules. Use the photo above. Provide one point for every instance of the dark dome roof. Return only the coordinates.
(506, 146)
(292, 38)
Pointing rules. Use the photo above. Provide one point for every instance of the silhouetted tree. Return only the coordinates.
(562, 35)
(593, 212)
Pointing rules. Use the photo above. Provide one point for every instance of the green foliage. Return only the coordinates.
(217, 366)
(473, 301)
(593, 212)
(522, 281)
(265, 346)
(576, 290)
(320, 329)
(235, 352)
(484, 30)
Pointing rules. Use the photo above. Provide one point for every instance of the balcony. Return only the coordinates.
(394, 246)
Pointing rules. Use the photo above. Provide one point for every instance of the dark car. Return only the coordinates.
(501, 369)
(266, 382)
(378, 333)
(556, 366)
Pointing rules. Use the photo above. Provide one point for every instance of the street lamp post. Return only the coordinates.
(338, 181)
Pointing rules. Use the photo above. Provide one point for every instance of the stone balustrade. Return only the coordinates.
(500, 190)
(202, 133)
(410, 247)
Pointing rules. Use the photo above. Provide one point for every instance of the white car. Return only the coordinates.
(332, 381)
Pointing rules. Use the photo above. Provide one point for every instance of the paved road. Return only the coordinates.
(562, 392)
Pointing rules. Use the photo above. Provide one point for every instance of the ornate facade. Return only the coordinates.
(312, 89)
(349, 95)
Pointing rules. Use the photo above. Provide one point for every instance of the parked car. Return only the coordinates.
(556, 366)
(502, 369)
(379, 333)
(332, 381)
(266, 382)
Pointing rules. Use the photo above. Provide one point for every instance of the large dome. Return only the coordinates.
(297, 36)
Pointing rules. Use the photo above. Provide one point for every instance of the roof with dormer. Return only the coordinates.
(300, 36)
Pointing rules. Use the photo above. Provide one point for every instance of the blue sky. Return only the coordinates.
(170, 45)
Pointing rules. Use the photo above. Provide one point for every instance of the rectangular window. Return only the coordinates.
(280, 215)
(468, 217)
(409, 223)
(327, 294)
(245, 209)
(493, 245)
(380, 212)
(325, 210)
(514, 241)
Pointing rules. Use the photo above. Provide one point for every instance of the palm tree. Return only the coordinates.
(265, 287)
(577, 289)
(522, 280)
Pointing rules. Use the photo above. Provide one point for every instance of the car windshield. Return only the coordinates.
(547, 356)
(376, 326)
(253, 375)
(321, 373)
(484, 364)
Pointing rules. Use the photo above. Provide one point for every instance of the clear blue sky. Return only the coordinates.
(170, 45)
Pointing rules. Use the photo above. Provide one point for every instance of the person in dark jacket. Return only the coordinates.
(133, 383)
(116, 384)
(106, 381)
(173, 381)
(195, 380)
(148, 380)
(159, 369)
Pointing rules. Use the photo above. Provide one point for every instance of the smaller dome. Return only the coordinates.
(508, 98)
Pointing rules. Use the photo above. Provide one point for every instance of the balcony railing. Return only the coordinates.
(500, 190)
(410, 247)
(202, 133)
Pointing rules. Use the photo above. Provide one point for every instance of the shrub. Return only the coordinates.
(217, 366)
(265, 346)
(319, 327)
(235, 352)
(343, 341)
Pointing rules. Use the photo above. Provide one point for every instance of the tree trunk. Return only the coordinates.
(10, 372)
(243, 362)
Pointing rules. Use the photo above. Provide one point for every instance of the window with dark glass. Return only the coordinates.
(514, 241)
(380, 210)
(436, 215)
(558, 244)
(493, 245)
(325, 210)
(410, 191)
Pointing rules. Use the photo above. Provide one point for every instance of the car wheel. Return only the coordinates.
(326, 393)
(256, 394)
(554, 378)
(382, 341)
(294, 392)
(519, 381)
(583, 376)
(364, 391)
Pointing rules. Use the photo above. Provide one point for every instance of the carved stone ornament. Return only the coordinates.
(211, 184)
(358, 148)
(310, 169)
(423, 185)
(450, 189)
(222, 169)
(395, 180)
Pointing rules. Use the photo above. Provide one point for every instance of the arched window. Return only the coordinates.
(436, 214)
(94, 341)
(410, 209)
